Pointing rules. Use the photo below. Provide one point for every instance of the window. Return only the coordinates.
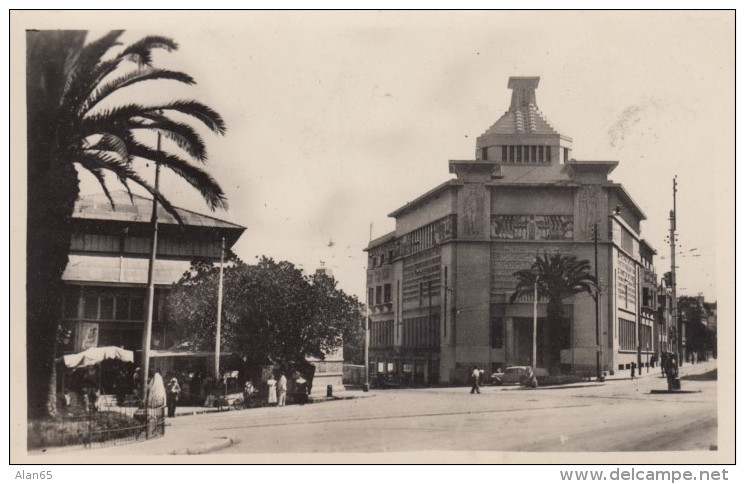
(534, 153)
(390, 255)
(548, 154)
(382, 259)
(370, 295)
(378, 295)
(512, 154)
(626, 334)
(387, 293)
(107, 307)
(484, 153)
(137, 308)
(421, 291)
(90, 307)
(504, 154)
(519, 154)
(566, 155)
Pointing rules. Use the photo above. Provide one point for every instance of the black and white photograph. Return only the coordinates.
(438, 236)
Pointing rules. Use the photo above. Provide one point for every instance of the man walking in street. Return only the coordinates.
(475, 380)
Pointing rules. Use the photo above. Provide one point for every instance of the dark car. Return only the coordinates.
(512, 375)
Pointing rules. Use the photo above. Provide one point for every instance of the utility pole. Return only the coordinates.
(535, 318)
(598, 346)
(150, 286)
(219, 311)
(673, 280)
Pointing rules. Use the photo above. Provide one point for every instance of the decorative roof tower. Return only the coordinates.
(524, 139)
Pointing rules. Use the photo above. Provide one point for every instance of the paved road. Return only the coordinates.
(620, 415)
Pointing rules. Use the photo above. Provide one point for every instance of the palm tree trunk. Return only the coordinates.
(53, 191)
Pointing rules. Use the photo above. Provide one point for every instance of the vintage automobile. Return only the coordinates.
(512, 375)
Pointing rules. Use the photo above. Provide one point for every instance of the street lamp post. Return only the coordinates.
(535, 318)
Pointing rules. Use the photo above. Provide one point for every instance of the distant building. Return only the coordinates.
(438, 286)
(105, 298)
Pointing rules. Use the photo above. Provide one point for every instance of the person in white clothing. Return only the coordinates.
(282, 390)
(272, 384)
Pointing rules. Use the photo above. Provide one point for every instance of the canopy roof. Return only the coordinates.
(94, 356)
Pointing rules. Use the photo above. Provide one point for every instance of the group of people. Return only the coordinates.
(277, 390)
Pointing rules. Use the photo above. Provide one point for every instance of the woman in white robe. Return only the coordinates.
(272, 384)
(156, 392)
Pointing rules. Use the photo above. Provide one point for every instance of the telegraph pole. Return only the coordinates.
(150, 286)
(673, 280)
(219, 311)
(598, 346)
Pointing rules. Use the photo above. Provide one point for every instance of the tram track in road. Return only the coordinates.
(292, 421)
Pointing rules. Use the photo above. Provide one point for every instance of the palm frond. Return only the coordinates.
(84, 65)
(125, 173)
(111, 142)
(141, 51)
(130, 78)
(97, 173)
(183, 134)
(194, 175)
(208, 116)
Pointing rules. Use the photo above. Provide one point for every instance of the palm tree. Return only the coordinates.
(558, 277)
(71, 122)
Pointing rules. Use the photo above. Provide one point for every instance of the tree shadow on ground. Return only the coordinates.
(708, 376)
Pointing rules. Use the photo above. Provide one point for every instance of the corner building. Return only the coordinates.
(438, 287)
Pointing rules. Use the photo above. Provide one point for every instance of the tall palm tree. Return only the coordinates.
(67, 84)
(558, 277)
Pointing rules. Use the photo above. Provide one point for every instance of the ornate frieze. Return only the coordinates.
(532, 227)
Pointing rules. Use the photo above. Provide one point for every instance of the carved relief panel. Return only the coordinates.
(532, 227)
(472, 211)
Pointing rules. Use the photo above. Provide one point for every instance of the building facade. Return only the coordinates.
(105, 298)
(439, 285)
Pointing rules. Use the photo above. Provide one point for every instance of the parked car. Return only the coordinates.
(512, 375)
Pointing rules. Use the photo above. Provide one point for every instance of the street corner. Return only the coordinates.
(212, 445)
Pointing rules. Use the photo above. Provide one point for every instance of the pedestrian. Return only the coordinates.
(663, 363)
(156, 392)
(173, 393)
(301, 389)
(282, 390)
(475, 380)
(633, 369)
(530, 380)
(653, 360)
(671, 371)
(272, 384)
(137, 382)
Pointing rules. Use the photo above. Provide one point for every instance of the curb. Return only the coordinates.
(224, 443)
(673, 392)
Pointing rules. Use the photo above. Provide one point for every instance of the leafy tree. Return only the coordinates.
(72, 121)
(558, 277)
(272, 312)
(699, 337)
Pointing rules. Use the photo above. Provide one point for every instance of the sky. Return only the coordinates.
(335, 119)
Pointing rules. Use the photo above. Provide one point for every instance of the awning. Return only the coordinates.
(94, 356)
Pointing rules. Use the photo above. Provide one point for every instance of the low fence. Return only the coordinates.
(96, 427)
